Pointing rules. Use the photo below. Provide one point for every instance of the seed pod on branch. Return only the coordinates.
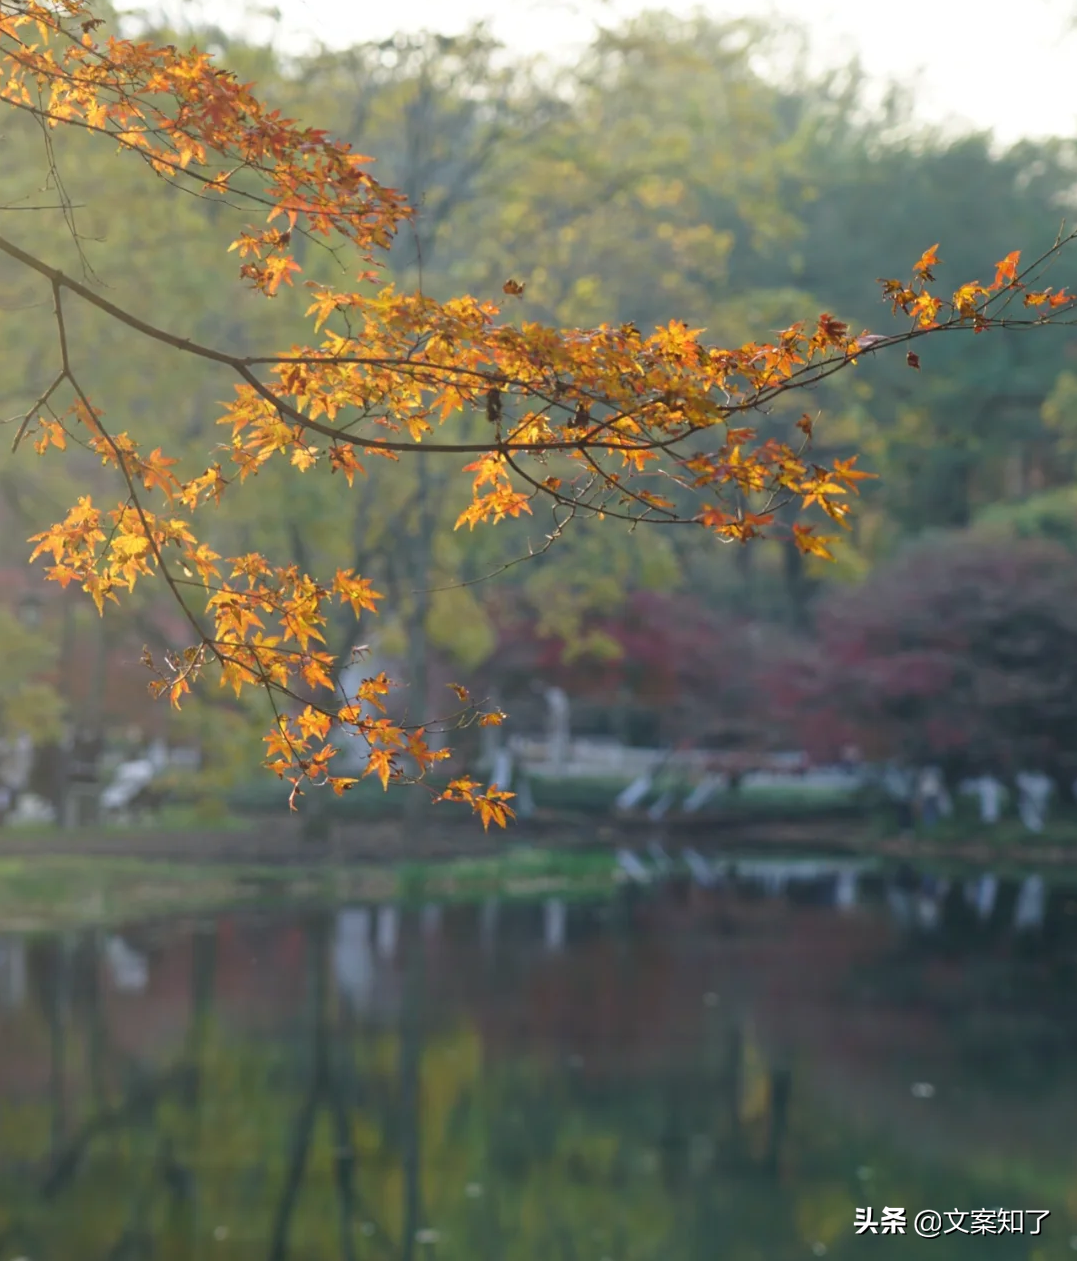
(493, 405)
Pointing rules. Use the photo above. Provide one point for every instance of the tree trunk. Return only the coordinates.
(418, 640)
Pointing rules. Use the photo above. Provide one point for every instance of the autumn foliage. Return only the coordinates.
(610, 422)
(695, 675)
(961, 651)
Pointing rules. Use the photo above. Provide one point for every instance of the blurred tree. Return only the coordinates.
(961, 652)
(968, 431)
(652, 668)
(30, 703)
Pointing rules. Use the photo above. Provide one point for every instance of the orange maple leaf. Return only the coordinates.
(1006, 270)
(923, 269)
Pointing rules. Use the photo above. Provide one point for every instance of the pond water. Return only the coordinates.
(679, 1074)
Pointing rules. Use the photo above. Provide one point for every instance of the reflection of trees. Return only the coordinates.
(56, 1000)
(334, 1140)
(324, 1091)
(423, 1119)
(624, 1168)
(410, 1098)
(996, 1001)
(66, 986)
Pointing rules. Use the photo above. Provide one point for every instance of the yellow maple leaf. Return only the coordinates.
(380, 763)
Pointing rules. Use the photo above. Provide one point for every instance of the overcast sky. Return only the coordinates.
(1006, 64)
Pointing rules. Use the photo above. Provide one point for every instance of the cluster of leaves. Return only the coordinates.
(600, 422)
(968, 301)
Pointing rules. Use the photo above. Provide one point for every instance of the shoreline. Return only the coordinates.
(277, 842)
(283, 841)
(90, 880)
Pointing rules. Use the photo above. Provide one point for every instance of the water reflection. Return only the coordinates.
(12, 971)
(694, 1070)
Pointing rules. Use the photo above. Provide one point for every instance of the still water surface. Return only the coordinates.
(681, 1074)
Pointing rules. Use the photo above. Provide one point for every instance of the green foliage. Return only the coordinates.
(29, 702)
(1052, 514)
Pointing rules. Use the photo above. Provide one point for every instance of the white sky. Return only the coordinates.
(1006, 64)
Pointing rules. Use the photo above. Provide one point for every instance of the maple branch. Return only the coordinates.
(594, 509)
(532, 554)
(154, 547)
(805, 377)
(67, 374)
(34, 410)
(242, 364)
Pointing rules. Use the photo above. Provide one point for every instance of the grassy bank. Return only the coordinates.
(963, 827)
(50, 879)
(50, 892)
